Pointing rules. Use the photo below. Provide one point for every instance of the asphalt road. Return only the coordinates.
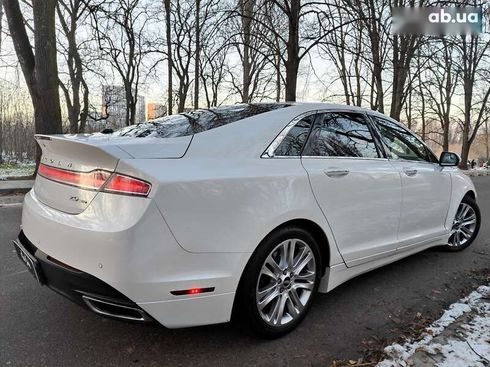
(39, 327)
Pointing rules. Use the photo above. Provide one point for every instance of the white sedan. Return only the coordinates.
(242, 211)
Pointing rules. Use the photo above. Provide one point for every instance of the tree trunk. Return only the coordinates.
(127, 118)
(40, 70)
(1, 116)
(445, 134)
(48, 111)
(198, 51)
(84, 112)
(132, 109)
(292, 63)
(76, 107)
(168, 29)
(374, 36)
(278, 79)
(468, 97)
(247, 13)
(1, 29)
(486, 141)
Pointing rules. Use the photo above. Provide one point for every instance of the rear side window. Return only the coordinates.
(197, 121)
(293, 142)
(401, 143)
(341, 135)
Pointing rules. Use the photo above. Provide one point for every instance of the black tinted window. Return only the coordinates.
(293, 142)
(196, 121)
(401, 143)
(341, 135)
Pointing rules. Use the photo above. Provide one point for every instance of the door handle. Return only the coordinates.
(410, 172)
(336, 172)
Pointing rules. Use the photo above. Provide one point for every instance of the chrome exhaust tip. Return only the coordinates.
(115, 310)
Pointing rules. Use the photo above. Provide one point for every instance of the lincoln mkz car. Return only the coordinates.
(240, 212)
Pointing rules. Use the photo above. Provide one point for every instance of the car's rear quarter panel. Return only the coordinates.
(230, 205)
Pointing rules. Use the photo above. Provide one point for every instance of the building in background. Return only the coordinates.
(140, 110)
(113, 108)
(155, 110)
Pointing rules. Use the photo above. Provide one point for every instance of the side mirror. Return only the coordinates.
(449, 159)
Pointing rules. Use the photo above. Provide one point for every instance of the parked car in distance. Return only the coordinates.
(242, 211)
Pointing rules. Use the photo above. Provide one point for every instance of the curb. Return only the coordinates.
(11, 200)
(476, 173)
(15, 187)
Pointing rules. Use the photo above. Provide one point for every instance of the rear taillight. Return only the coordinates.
(121, 184)
(97, 180)
(92, 180)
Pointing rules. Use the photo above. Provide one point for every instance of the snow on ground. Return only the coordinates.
(461, 337)
(16, 169)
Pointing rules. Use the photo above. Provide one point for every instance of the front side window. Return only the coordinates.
(341, 134)
(401, 143)
(293, 142)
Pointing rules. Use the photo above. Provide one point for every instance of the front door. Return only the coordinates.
(426, 187)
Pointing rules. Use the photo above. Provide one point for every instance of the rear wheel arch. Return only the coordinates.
(302, 227)
(470, 194)
(311, 227)
(317, 232)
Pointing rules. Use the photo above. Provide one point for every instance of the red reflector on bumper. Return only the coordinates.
(192, 291)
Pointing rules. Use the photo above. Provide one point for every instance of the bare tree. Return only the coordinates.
(371, 15)
(1, 116)
(120, 30)
(213, 71)
(197, 60)
(441, 81)
(40, 69)
(345, 49)
(253, 27)
(168, 25)
(404, 48)
(298, 41)
(70, 14)
(183, 28)
(474, 51)
(247, 9)
(215, 46)
(1, 25)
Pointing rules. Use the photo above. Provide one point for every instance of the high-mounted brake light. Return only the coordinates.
(115, 183)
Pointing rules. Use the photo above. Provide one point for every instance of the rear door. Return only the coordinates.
(426, 187)
(358, 190)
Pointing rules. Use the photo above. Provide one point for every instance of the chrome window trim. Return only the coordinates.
(370, 129)
(401, 126)
(343, 158)
(269, 152)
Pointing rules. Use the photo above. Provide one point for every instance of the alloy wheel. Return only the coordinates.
(464, 225)
(286, 282)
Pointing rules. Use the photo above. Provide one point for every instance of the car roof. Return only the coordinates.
(251, 136)
(335, 106)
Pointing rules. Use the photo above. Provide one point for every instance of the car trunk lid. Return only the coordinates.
(89, 156)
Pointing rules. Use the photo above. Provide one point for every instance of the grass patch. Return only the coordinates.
(10, 170)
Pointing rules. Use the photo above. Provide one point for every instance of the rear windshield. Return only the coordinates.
(185, 124)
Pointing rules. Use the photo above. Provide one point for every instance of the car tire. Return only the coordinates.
(273, 299)
(466, 225)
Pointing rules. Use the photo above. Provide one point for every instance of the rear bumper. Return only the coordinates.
(126, 250)
(82, 288)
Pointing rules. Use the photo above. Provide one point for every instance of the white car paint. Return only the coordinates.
(214, 197)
